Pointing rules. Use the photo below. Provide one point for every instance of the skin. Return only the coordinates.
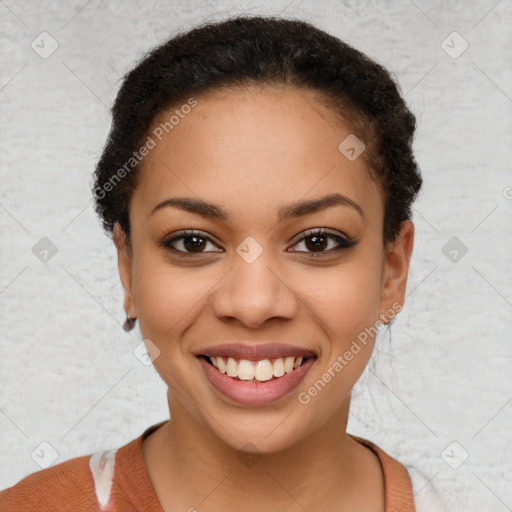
(253, 151)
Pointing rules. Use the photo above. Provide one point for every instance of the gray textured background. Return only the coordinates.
(68, 375)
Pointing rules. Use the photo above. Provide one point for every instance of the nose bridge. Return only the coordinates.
(253, 291)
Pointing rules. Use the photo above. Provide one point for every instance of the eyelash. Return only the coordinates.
(343, 243)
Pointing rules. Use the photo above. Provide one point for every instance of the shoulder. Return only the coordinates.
(69, 482)
(76, 484)
(397, 484)
(406, 487)
(88, 484)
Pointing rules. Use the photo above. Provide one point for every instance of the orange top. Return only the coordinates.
(117, 481)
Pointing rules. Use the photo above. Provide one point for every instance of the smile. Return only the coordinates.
(261, 371)
(255, 383)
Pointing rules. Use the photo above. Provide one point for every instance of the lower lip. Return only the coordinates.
(256, 393)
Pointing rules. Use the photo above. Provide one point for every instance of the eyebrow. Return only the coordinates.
(293, 210)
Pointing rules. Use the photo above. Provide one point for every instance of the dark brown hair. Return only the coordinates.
(244, 51)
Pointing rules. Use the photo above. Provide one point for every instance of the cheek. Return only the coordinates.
(346, 303)
(165, 295)
(166, 302)
(346, 299)
(347, 314)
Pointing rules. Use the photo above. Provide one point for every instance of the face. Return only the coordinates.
(254, 272)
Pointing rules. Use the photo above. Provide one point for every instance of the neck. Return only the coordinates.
(186, 460)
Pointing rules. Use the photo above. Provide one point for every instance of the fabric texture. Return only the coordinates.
(117, 481)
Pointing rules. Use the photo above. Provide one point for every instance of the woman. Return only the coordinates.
(257, 183)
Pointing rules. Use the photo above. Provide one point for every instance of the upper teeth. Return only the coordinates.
(260, 370)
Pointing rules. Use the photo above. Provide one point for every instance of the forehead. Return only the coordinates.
(253, 148)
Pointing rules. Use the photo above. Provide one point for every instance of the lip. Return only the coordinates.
(256, 352)
(255, 393)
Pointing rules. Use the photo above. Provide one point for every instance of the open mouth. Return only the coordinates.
(256, 371)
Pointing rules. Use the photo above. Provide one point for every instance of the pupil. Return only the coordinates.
(317, 245)
(196, 244)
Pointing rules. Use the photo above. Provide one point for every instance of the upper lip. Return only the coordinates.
(255, 352)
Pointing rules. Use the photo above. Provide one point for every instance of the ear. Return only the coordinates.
(395, 270)
(124, 263)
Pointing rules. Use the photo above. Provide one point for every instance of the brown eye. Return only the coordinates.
(320, 242)
(189, 243)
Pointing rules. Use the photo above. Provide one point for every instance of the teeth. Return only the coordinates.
(245, 369)
(279, 367)
(260, 370)
(263, 371)
(289, 364)
(231, 367)
(221, 365)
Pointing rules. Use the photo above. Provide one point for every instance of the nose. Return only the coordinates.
(253, 293)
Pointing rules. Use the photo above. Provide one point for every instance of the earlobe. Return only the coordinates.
(124, 263)
(396, 269)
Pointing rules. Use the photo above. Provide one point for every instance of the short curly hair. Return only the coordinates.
(262, 50)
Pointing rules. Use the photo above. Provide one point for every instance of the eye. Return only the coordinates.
(189, 242)
(317, 242)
